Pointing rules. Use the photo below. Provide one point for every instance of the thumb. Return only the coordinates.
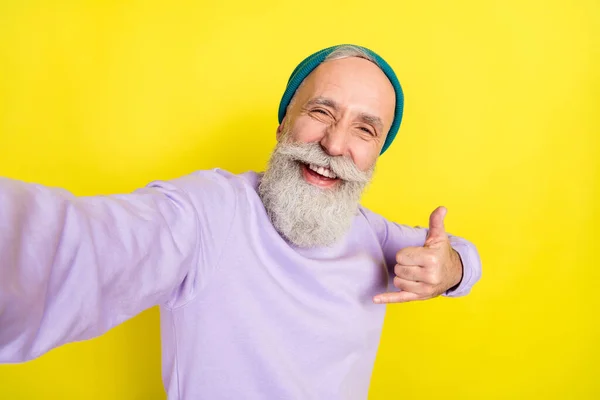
(437, 231)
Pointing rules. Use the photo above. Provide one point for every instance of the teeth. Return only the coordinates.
(322, 171)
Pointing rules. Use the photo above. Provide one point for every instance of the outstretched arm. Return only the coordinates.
(72, 267)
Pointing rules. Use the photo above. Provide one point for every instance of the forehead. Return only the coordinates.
(355, 83)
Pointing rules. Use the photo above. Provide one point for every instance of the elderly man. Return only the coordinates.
(270, 285)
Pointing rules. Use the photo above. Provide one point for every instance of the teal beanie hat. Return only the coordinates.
(314, 60)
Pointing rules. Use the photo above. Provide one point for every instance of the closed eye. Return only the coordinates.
(367, 130)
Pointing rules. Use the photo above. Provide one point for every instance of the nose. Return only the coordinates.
(335, 141)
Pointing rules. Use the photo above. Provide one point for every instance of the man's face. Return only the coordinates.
(328, 143)
(347, 106)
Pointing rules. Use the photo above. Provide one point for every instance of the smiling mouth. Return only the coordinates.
(318, 176)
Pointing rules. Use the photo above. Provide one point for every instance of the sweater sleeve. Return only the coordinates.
(393, 237)
(72, 268)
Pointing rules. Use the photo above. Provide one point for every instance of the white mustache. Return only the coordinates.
(312, 153)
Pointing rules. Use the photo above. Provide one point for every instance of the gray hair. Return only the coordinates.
(347, 51)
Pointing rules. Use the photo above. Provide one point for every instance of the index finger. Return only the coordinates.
(407, 255)
(419, 256)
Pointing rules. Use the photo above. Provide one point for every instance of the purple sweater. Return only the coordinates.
(244, 315)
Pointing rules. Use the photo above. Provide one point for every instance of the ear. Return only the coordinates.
(280, 129)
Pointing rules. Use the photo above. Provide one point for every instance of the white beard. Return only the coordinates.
(303, 214)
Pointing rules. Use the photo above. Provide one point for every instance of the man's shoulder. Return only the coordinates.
(201, 180)
(371, 216)
(376, 222)
(213, 187)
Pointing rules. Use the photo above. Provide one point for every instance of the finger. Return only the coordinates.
(408, 286)
(413, 273)
(436, 231)
(419, 256)
(395, 297)
(407, 255)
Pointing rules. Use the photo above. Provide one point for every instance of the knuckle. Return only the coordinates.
(397, 270)
(399, 255)
(434, 278)
(397, 282)
(429, 277)
(432, 259)
(420, 296)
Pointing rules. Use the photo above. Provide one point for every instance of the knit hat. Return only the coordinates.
(315, 59)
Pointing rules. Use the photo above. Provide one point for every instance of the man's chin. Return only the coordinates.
(305, 209)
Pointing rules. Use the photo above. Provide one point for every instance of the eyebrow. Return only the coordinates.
(366, 118)
(323, 101)
(371, 120)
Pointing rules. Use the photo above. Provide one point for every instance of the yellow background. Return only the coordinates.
(501, 126)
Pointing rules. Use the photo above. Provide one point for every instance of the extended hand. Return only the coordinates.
(425, 272)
